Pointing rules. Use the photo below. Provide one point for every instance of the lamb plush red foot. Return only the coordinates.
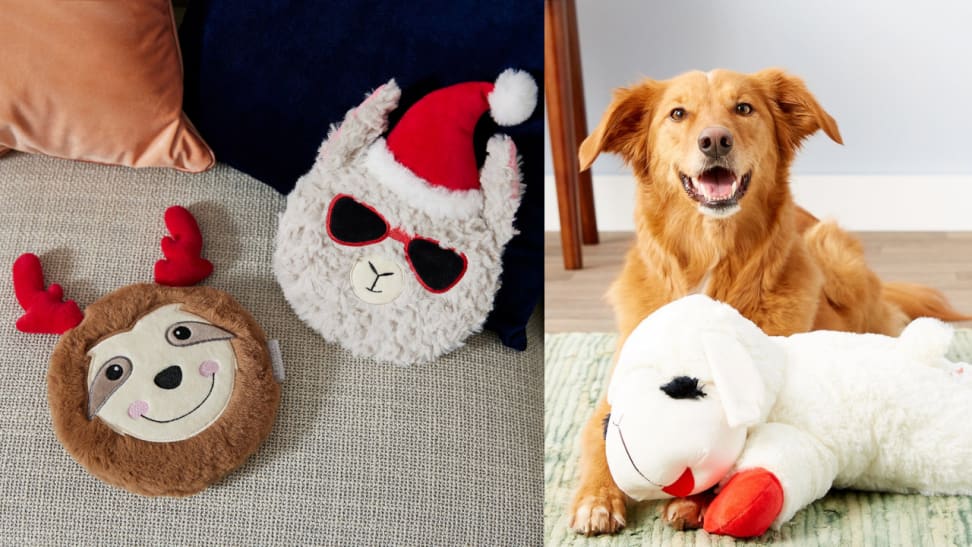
(746, 506)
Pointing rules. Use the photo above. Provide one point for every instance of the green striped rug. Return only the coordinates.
(576, 369)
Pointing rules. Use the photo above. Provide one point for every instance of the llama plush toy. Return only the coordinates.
(701, 396)
(392, 247)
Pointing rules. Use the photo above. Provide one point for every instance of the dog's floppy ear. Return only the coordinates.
(799, 114)
(739, 383)
(624, 125)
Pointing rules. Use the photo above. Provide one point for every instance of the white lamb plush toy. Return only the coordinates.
(700, 396)
(392, 246)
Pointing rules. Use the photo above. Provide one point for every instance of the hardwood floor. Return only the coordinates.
(574, 300)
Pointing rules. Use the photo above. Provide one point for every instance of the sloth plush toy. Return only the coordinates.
(392, 246)
(160, 389)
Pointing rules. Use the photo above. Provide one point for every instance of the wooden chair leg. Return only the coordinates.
(585, 189)
(560, 117)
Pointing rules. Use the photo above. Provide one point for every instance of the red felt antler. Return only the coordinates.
(44, 310)
(183, 264)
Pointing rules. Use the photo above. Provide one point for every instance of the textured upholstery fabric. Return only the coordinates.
(95, 81)
(361, 454)
(264, 81)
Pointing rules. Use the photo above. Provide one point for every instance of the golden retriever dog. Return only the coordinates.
(714, 214)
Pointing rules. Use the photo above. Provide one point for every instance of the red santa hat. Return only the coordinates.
(428, 158)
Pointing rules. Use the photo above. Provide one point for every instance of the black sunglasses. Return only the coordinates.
(352, 223)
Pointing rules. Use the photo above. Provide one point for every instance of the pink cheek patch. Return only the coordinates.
(137, 409)
(208, 368)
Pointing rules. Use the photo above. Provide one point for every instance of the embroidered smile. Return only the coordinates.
(134, 412)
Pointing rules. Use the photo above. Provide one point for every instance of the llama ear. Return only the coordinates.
(502, 187)
(361, 126)
(737, 380)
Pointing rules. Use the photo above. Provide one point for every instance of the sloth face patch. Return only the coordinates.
(182, 384)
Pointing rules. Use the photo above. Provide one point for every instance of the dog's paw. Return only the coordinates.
(600, 511)
(685, 513)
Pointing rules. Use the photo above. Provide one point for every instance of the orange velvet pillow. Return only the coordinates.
(95, 80)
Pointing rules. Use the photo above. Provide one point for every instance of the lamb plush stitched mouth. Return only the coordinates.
(682, 486)
(716, 188)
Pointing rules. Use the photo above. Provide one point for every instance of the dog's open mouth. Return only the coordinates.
(716, 189)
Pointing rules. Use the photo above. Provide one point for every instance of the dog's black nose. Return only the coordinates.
(169, 378)
(715, 141)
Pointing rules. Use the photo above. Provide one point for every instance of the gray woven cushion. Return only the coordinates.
(448, 453)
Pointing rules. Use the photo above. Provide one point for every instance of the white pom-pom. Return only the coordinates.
(513, 98)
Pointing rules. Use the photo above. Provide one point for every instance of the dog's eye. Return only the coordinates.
(683, 387)
(677, 114)
(744, 109)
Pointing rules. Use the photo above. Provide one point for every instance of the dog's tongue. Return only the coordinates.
(716, 183)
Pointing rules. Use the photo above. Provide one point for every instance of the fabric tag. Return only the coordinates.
(276, 360)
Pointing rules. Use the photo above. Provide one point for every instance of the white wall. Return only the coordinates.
(897, 77)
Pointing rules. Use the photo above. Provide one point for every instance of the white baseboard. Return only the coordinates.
(864, 203)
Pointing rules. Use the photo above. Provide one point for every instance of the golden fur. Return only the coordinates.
(163, 469)
(771, 260)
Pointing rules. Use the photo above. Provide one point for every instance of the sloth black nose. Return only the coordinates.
(169, 378)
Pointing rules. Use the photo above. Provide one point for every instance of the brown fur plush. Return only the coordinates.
(163, 469)
(774, 262)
